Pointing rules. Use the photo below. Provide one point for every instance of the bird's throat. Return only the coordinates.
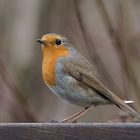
(50, 58)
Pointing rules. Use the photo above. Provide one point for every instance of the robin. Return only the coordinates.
(70, 76)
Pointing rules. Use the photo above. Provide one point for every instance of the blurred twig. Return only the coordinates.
(22, 101)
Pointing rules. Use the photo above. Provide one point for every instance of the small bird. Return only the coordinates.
(70, 76)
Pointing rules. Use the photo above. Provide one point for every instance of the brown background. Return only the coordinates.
(106, 32)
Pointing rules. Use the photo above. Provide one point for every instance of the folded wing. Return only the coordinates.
(79, 73)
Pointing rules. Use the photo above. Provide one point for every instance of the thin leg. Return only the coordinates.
(76, 116)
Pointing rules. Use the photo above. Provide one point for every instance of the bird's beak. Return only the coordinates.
(41, 41)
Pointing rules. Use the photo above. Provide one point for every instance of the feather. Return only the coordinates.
(94, 83)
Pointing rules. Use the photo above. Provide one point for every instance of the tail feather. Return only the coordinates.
(130, 110)
(123, 105)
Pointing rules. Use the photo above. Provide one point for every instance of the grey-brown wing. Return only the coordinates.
(88, 77)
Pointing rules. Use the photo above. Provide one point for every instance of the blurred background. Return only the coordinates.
(106, 32)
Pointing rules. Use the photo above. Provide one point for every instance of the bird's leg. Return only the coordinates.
(76, 116)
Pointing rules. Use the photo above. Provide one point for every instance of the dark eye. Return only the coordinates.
(58, 42)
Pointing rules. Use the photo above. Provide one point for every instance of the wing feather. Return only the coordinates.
(92, 81)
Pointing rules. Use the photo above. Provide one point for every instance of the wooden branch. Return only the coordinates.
(79, 131)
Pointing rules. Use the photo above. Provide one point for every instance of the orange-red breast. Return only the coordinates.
(70, 76)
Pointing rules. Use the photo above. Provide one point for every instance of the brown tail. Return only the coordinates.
(130, 110)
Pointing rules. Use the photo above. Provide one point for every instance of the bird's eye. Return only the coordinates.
(58, 42)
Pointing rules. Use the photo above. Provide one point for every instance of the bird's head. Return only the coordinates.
(54, 46)
(54, 43)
